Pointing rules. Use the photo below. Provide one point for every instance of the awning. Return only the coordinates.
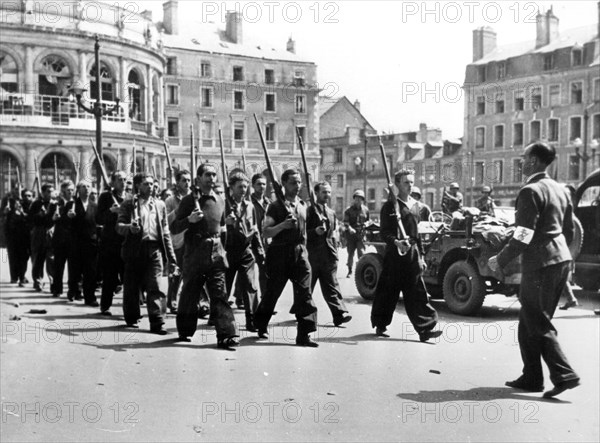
(416, 146)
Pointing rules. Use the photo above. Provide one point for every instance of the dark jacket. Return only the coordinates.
(243, 233)
(131, 245)
(321, 244)
(63, 227)
(544, 225)
(108, 219)
(84, 223)
(389, 224)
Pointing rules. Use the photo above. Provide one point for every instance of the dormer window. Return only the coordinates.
(576, 57)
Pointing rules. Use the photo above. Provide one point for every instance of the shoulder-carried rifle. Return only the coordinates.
(276, 185)
(171, 177)
(224, 169)
(37, 183)
(311, 194)
(19, 184)
(404, 246)
(103, 171)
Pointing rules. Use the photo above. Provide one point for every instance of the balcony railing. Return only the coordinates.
(50, 110)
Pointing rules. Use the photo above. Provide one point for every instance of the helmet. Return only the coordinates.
(486, 189)
(359, 193)
(416, 190)
(454, 185)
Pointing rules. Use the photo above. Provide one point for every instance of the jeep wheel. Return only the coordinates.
(464, 288)
(577, 242)
(366, 276)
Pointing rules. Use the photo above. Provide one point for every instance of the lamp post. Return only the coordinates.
(97, 109)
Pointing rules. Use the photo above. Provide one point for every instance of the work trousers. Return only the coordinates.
(539, 295)
(402, 274)
(283, 263)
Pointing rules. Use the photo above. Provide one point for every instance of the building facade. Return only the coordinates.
(547, 89)
(214, 79)
(170, 86)
(351, 158)
(45, 50)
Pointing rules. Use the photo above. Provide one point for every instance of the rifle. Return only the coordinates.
(224, 168)
(134, 162)
(10, 175)
(170, 177)
(103, 171)
(37, 183)
(56, 180)
(192, 151)
(404, 247)
(144, 169)
(19, 184)
(276, 185)
(311, 194)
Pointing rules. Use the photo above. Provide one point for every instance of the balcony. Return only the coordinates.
(54, 111)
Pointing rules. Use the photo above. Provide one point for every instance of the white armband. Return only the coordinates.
(524, 235)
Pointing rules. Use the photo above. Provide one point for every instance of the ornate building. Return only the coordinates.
(46, 49)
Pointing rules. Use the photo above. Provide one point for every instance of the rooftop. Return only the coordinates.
(570, 37)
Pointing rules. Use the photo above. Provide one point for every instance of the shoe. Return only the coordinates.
(159, 331)
(250, 327)
(12, 282)
(228, 343)
(307, 342)
(106, 313)
(133, 325)
(210, 322)
(21, 284)
(569, 304)
(173, 311)
(519, 383)
(184, 339)
(25, 280)
(380, 332)
(118, 289)
(558, 389)
(203, 312)
(427, 335)
(597, 311)
(93, 304)
(349, 274)
(70, 298)
(341, 320)
(37, 288)
(78, 297)
(262, 333)
(56, 294)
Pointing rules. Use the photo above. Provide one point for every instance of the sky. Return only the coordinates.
(403, 61)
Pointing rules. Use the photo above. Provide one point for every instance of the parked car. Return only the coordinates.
(587, 210)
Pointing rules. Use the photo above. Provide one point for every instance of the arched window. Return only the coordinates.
(8, 73)
(54, 76)
(8, 172)
(56, 163)
(107, 86)
(135, 91)
(155, 100)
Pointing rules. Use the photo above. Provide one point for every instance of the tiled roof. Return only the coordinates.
(436, 144)
(325, 103)
(208, 37)
(570, 37)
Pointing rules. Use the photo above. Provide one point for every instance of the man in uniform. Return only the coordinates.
(41, 252)
(110, 260)
(485, 203)
(544, 226)
(321, 230)
(403, 265)
(183, 178)
(355, 218)
(242, 239)
(422, 209)
(143, 222)
(18, 234)
(202, 213)
(287, 259)
(452, 201)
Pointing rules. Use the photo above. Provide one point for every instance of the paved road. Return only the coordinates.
(71, 375)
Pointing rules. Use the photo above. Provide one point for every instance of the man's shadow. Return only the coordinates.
(479, 394)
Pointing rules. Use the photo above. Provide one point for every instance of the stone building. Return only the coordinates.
(46, 49)
(216, 79)
(351, 157)
(544, 89)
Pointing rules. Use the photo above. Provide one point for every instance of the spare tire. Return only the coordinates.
(367, 273)
(577, 242)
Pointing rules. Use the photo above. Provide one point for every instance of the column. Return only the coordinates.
(122, 91)
(29, 80)
(149, 93)
(83, 76)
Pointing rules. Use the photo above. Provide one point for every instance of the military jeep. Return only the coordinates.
(457, 261)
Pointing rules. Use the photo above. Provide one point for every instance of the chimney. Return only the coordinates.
(357, 105)
(546, 28)
(171, 17)
(484, 42)
(422, 133)
(234, 26)
(291, 46)
(147, 14)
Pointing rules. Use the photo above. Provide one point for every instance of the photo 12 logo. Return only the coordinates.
(288, 411)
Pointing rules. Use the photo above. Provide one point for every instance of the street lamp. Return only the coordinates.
(97, 109)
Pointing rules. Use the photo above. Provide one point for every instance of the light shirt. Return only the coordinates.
(148, 215)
